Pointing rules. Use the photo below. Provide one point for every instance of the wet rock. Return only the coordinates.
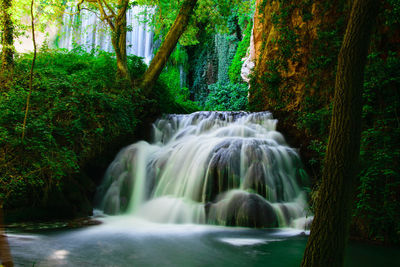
(240, 208)
(255, 179)
(223, 172)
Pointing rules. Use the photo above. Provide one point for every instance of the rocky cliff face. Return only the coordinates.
(209, 62)
(296, 44)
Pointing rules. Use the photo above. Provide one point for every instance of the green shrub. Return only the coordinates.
(378, 201)
(172, 89)
(227, 97)
(170, 97)
(236, 67)
(77, 108)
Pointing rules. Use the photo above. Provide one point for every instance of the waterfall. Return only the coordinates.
(86, 29)
(226, 168)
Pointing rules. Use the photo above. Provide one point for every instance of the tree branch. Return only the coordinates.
(109, 8)
(105, 16)
(79, 5)
(122, 11)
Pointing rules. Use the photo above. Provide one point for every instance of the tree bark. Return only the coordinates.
(118, 24)
(119, 40)
(119, 45)
(329, 231)
(7, 37)
(167, 47)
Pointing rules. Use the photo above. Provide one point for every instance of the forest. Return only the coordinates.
(256, 115)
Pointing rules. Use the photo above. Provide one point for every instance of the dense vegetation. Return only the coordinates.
(305, 114)
(79, 112)
(377, 210)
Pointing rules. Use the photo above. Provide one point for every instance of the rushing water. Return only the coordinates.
(87, 30)
(225, 168)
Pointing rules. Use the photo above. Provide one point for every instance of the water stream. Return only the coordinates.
(224, 168)
(173, 202)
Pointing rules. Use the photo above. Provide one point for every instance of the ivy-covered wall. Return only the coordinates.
(216, 63)
(226, 46)
(203, 68)
(296, 47)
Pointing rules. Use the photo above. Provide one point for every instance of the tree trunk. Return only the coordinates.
(7, 40)
(119, 45)
(119, 40)
(117, 23)
(172, 38)
(329, 231)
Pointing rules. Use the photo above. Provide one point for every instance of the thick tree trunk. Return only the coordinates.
(172, 38)
(329, 231)
(119, 45)
(119, 40)
(117, 23)
(7, 40)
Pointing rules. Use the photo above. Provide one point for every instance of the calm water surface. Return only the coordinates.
(126, 241)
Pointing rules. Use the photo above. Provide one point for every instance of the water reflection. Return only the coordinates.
(128, 241)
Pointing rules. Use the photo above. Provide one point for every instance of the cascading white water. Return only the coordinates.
(87, 30)
(227, 168)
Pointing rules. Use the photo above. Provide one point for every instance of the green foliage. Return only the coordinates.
(236, 66)
(245, 13)
(377, 207)
(266, 87)
(172, 100)
(178, 56)
(76, 109)
(226, 47)
(377, 210)
(269, 86)
(315, 122)
(392, 12)
(319, 147)
(170, 79)
(324, 58)
(227, 96)
(378, 201)
(47, 13)
(175, 84)
(203, 67)
(287, 39)
(211, 61)
(257, 102)
(209, 15)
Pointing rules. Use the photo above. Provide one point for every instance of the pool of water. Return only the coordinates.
(127, 241)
